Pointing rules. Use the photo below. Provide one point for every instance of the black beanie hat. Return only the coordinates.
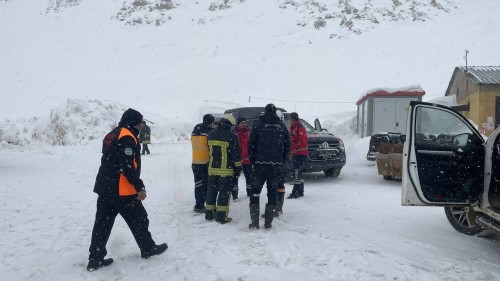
(240, 119)
(131, 117)
(294, 116)
(270, 108)
(208, 119)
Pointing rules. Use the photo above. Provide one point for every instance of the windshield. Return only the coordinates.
(309, 129)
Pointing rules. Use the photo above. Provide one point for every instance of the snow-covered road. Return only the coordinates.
(348, 228)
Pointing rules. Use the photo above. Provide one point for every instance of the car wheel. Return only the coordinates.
(332, 172)
(463, 220)
(387, 178)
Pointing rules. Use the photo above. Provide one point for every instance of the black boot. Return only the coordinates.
(96, 264)
(209, 215)
(270, 211)
(254, 215)
(155, 250)
(199, 209)
(222, 218)
(281, 200)
(295, 193)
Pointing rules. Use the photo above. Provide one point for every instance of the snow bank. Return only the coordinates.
(81, 121)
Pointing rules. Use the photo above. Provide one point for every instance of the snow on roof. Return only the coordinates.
(483, 74)
(413, 90)
(446, 100)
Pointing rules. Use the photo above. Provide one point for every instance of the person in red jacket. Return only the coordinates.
(298, 139)
(243, 133)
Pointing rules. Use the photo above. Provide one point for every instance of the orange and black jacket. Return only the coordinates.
(119, 173)
(225, 152)
(199, 142)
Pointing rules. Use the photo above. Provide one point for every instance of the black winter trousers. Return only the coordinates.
(145, 148)
(248, 172)
(133, 213)
(270, 175)
(200, 172)
(298, 166)
(219, 191)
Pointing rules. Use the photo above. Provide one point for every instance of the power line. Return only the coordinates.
(257, 98)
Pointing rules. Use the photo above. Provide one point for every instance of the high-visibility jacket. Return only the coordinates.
(298, 138)
(199, 142)
(119, 173)
(225, 155)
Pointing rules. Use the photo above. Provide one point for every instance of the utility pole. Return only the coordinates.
(465, 57)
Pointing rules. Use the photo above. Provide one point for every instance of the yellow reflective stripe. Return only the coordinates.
(237, 164)
(220, 172)
(223, 145)
(219, 143)
(223, 208)
(209, 207)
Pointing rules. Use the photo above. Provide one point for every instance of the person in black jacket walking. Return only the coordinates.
(121, 191)
(224, 166)
(268, 147)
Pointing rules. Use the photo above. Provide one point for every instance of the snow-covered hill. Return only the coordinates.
(345, 17)
(239, 52)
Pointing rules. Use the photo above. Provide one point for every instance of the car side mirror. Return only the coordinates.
(402, 138)
(324, 130)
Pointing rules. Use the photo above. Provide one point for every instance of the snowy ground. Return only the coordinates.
(348, 228)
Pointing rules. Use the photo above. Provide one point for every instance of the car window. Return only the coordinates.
(440, 127)
(309, 129)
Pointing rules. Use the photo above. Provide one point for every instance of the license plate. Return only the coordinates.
(327, 154)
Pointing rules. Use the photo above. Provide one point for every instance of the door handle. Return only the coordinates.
(437, 152)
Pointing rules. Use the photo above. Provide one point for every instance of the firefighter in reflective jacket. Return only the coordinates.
(224, 165)
(121, 191)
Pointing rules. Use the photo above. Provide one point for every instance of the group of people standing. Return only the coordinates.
(220, 154)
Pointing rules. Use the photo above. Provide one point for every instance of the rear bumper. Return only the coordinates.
(370, 156)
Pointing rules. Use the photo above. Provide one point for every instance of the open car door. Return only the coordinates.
(317, 125)
(443, 158)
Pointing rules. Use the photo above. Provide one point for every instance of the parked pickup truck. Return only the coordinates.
(448, 163)
(326, 151)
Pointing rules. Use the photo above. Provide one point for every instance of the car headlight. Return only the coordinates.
(341, 145)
